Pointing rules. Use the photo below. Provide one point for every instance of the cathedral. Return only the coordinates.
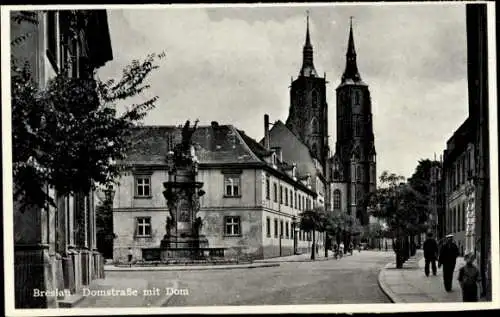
(351, 171)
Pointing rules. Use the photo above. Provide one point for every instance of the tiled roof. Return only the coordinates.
(221, 144)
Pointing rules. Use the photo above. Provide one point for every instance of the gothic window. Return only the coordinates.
(357, 97)
(298, 98)
(315, 99)
(358, 173)
(314, 149)
(357, 127)
(358, 197)
(314, 126)
(336, 199)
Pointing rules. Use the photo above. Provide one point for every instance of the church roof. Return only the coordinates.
(293, 149)
(351, 74)
(308, 69)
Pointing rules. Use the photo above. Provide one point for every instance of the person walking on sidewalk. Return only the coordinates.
(130, 255)
(448, 259)
(469, 279)
(430, 254)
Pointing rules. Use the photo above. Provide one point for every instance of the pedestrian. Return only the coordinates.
(130, 255)
(351, 247)
(469, 279)
(341, 249)
(430, 254)
(448, 259)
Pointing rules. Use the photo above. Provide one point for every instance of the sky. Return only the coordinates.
(234, 64)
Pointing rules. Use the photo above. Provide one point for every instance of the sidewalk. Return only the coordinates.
(110, 267)
(410, 285)
(304, 257)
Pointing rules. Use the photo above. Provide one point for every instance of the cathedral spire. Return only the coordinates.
(351, 69)
(307, 69)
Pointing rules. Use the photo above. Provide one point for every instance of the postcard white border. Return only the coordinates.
(334, 308)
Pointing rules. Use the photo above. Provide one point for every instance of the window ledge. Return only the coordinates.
(143, 237)
(232, 235)
(143, 197)
(235, 196)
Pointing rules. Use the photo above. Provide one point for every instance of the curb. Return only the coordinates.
(189, 268)
(383, 286)
(393, 297)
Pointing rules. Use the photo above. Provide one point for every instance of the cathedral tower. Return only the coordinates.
(308, 111)
(354, 161)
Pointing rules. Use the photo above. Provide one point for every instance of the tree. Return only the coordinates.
(421, 182)
(312, 220)
(400, 206)
(68, 135)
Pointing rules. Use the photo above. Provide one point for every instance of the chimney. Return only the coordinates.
(266, 132)
(214, 135)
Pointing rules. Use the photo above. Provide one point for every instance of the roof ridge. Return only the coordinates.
(245, 145)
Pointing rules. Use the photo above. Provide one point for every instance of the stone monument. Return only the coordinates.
(183, 192)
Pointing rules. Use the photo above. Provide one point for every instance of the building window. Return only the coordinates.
(336, 199)
(455, 219)
(281, 229)
(464, 215)
(315, 99)
(314, 126)
(268, 227)
(52, 39)
(143, 186)
(143, 227)
(287, 233)
(357, 128)
(281, 194)
(268, 189)
(232, 184)
(357, 97)
(275, 187)
(275, 227)
(295, 200)
(358, 173)
(232, 226)
(286, 197)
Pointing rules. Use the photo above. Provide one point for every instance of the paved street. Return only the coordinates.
(352, 279)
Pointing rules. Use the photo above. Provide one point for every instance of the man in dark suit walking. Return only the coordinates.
(430, 254)
(448, 259)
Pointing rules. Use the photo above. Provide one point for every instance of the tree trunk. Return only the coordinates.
(313, 251)
(326, 245)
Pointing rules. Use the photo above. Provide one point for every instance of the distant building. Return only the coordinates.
(56, 249)
(252, 199)
(352, 168)
(458, 167)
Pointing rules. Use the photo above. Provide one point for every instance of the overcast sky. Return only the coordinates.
(233, 65)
